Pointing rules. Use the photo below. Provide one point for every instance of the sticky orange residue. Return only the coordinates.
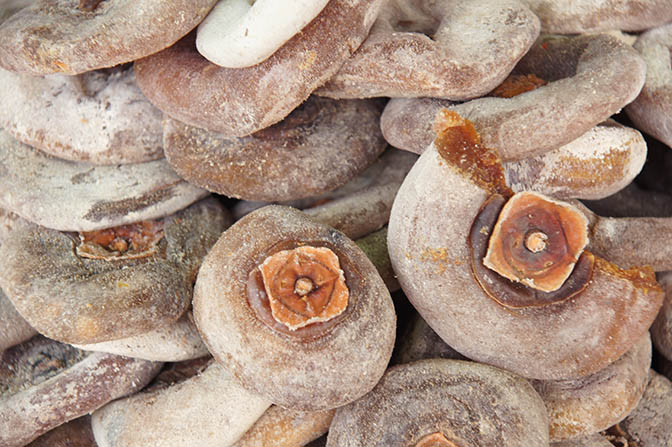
(643, 278)
(459, 144)
(515, 84)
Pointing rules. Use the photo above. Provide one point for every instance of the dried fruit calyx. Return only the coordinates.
(537, 241)
(131, 241)
(304, 285)
(435, 440)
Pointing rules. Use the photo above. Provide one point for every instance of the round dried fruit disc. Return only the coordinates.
(320, 366)
(70, 196)
(73, 37)
(100, 117)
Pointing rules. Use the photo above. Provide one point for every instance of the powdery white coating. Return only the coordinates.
(318, 147)
(632, 241)
(448, 49)
(651, 111)
(471, 404)
(280, 427)
(84, 387)
(359, 207)
(650, 423)
(368, 209)
(70, 196)
(590, 404)
(206, 410)
(10, 222)
(590, 16)
(240, 33)
(173, 343)
(595, 440)
(100, 117)
(13, 328)
(57, 36)
(597, 164)
(591, 78)
(241, 101)
(433, 213)
(336, 366)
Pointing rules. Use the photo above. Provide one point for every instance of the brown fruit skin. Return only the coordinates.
(240, 101)
(73, 387)
(661, 331)
(13, 328)
(594, 403)
(321, 366)
(420, 342)
(593, 16)
(317, 148)
(280, 427)
(650, 423)
(561, 341)
(651, 110)
(471, 404)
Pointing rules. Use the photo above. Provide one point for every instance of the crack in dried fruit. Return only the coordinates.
(304, 285)
(132, 241)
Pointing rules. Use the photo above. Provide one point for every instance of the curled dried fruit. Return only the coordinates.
(428, 240)
(304, 285)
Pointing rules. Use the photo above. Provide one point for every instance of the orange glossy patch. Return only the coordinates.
(459, 144)
(537, 241)
(132, 241)
(435, 440)
(515, 84)
(304, 285)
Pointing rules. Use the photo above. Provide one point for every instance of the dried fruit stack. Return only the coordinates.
(335, 222)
